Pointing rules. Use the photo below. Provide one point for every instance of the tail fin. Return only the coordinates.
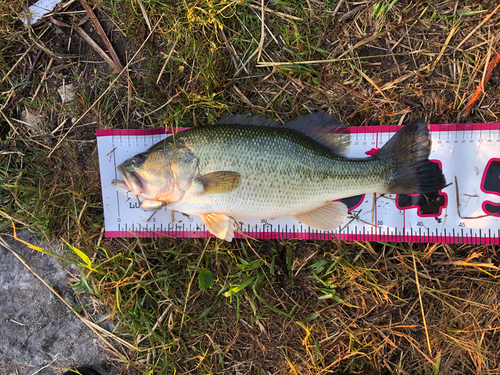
(407, 152)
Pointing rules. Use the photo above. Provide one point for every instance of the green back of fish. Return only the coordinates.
(279, 166)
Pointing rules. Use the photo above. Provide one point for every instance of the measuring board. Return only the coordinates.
(467, 153)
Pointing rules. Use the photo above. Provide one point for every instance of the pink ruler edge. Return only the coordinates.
(317, 236)
(352, 129)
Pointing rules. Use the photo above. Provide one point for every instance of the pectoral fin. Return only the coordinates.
(219, 182)
(220, 225)
(328, 217)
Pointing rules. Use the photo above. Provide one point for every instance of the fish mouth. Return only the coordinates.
(132, 180)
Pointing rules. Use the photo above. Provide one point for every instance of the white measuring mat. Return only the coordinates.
(469, 153)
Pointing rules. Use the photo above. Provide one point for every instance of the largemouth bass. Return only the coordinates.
(248, 166)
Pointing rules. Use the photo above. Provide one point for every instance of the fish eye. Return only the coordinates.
(137, 160)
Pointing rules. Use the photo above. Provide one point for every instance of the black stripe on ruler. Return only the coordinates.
(116, 176)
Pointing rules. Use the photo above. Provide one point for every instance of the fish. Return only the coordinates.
(249, 166)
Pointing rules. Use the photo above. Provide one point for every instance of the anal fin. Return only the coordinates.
(220, 225)
(327, 217)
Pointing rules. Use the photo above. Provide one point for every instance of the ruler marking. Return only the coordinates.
(373, 136)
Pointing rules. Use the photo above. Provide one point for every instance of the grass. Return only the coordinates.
(274, 306)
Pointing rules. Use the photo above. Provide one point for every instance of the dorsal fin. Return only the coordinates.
(247, 119)
(325, 129)
(322, 127)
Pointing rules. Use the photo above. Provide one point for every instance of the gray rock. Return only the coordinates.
(36, 328)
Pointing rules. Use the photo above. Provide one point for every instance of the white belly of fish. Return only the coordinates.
(269, 197)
